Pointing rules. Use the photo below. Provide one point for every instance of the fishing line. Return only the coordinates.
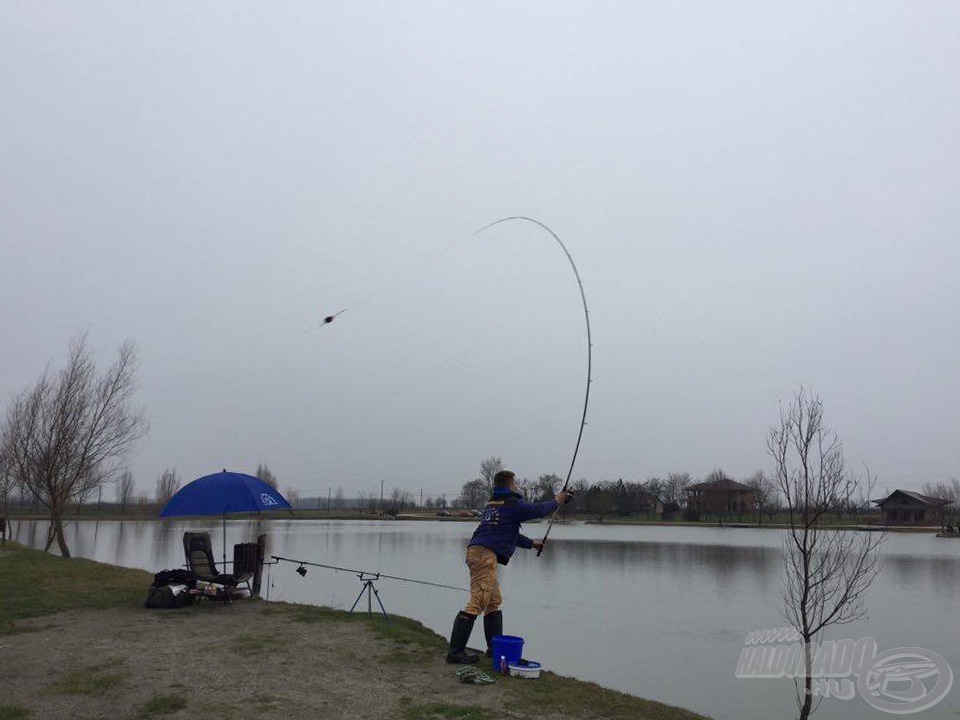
(393, 284)
(375, 575)
(586, 315)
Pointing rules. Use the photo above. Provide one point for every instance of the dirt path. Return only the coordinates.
(246, 660)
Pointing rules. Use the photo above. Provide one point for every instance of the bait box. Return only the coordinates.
(525, 669)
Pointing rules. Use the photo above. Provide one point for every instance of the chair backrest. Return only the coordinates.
(246, 558)
(199, 554)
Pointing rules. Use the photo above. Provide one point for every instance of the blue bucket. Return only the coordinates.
(506, 649)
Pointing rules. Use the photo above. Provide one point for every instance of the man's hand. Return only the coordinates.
(564, 496)
(538, 546)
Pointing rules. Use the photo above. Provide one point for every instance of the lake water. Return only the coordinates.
(660, 612)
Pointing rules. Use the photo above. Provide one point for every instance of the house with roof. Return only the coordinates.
(903, 507)
(721, 497)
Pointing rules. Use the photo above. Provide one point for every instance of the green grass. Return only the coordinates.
(94, 680)
(162, 705)
(23, 629)
(33, 584)
(13, 712)
(556, 695)
(445, 711)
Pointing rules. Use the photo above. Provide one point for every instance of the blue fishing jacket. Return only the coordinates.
(499, 529)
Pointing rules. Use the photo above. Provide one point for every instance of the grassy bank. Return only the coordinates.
(34, 584)
(80, 645)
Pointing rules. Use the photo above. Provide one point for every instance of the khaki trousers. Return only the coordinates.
(484, 588)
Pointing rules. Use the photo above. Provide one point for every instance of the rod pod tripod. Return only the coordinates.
(371, 590)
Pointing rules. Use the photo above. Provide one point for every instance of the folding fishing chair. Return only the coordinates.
(200, 560)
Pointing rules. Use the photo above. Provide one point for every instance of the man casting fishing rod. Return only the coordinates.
(494, 541)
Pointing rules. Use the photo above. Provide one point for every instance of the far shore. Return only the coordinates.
(91, 514)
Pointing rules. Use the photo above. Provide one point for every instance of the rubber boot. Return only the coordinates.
(462, 626)
(492, 625)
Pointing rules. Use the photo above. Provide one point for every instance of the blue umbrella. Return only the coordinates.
(223, 493)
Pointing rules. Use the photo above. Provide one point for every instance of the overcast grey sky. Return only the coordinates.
(758, 195)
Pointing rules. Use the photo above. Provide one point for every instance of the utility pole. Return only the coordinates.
(328, 501)
(421, 498)
(381, 495)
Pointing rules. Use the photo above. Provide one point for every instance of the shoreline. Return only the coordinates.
(80, 644)
(298, 515)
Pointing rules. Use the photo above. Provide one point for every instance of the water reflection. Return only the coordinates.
(661, 612)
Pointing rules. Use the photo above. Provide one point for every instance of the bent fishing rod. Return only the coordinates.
(362, 573)
(586, 317)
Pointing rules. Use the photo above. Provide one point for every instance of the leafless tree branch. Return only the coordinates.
(827, 572)
(63, 438)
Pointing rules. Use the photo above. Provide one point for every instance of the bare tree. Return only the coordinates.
(946, 492)
(473, 494)
(675, 492)
(827, 572)
(8, 486)
(167, 484)
(547, 487)
(396, 500)
(265, 474)
(526, 488)
(64, 436)
(865, 491)
(488, 468)
(653, 492)
(764, 492)
(292, 496)
(124, 490)
(951, 510)
(338, 499)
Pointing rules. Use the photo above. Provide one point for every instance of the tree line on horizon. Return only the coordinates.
(663, 497)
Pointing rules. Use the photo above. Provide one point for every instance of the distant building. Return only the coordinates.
(903, 507)
(646, 503)
(721, 497)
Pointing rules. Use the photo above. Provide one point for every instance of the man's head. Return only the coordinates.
(504, 479)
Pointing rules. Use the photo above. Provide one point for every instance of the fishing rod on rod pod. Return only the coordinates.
(304, 564)
(366, 577)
